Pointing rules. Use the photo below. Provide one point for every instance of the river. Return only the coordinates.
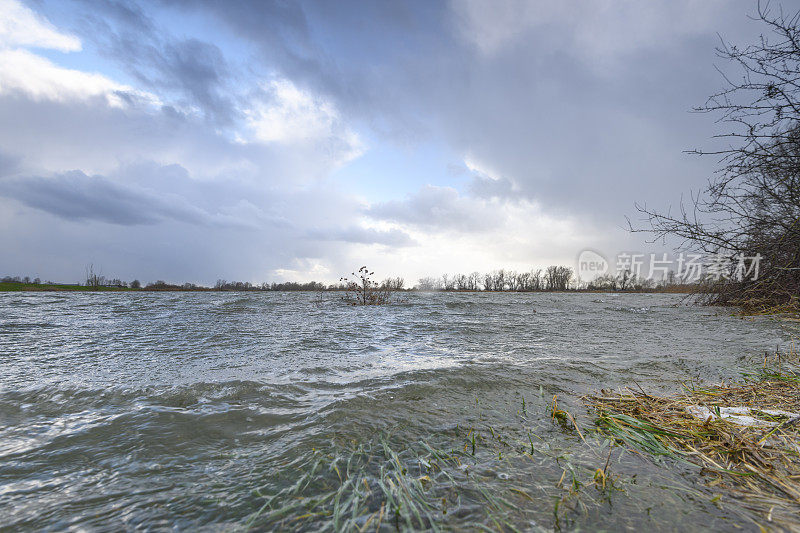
(236, 411)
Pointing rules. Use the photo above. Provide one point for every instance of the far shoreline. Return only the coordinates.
(66, 287)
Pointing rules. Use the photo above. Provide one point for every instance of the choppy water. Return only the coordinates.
(229, 411)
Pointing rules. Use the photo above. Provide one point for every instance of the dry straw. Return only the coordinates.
(754, 460)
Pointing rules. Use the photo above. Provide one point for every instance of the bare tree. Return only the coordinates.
(512, 280)
(393, 284)
(93, 280)
(604, 282)
(751, 206)
(499, 280)
(557, 278)
(536, 280)
(625, 279)
(488, 282)
(429, 284)
(524, 281)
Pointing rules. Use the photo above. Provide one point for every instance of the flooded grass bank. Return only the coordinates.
(594, 469)
(745, 437)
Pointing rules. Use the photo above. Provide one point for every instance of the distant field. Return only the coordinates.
(6, 286)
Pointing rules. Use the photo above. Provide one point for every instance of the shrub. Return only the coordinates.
(362, 290)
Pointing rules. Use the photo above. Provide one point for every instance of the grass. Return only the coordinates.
(372, 485)
(399, 484)
(757, 464)
(789, 310)
(393, 482)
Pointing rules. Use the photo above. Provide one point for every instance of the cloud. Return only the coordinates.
(90, 135)
(290, 114)
(8, 164)
(285, 114)
(27, 74)
(362, 235)
(160, 190)
(440, 208)
(19, 26)
(560, 101)
(196, 70)
(603, 29)
(192, 72)
(207, 130)
(24, 73)
(75, 196)
(487, 184)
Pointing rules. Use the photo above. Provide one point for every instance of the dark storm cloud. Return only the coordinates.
(195, 69)
(363, 55)
(557, 110)
(279, 30)
(8, 164)
(560, 103)
(78, 197)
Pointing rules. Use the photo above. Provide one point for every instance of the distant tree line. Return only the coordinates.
(629, 281)
(97, 281)
(392, 284)
(553, 278)
(289, 286)
(26, 280)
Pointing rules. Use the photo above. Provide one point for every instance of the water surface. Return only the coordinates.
(200, 411)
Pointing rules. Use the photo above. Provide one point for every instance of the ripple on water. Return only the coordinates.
(156, 411)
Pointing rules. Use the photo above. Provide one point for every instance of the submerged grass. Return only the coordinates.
(373, 486)
(754, 459)
(376, 485)
(542, 473)
(391, 483)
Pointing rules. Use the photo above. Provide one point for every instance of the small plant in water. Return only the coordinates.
(362, 290)
(558, 414)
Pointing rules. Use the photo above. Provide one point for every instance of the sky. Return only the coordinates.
(273, 141)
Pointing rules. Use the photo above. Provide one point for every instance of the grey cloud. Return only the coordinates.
(91, 136)
(279, 29)
(79, 197)
(552, 114)
(359, 235)
(558, 123)
(194, 67)
(9, 164)
(196, 70)
(572, 134)
(483, 186)
(439, 208)
(146, 218)
(363, 55)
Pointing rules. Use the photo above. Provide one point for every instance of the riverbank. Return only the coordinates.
(743, 436)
